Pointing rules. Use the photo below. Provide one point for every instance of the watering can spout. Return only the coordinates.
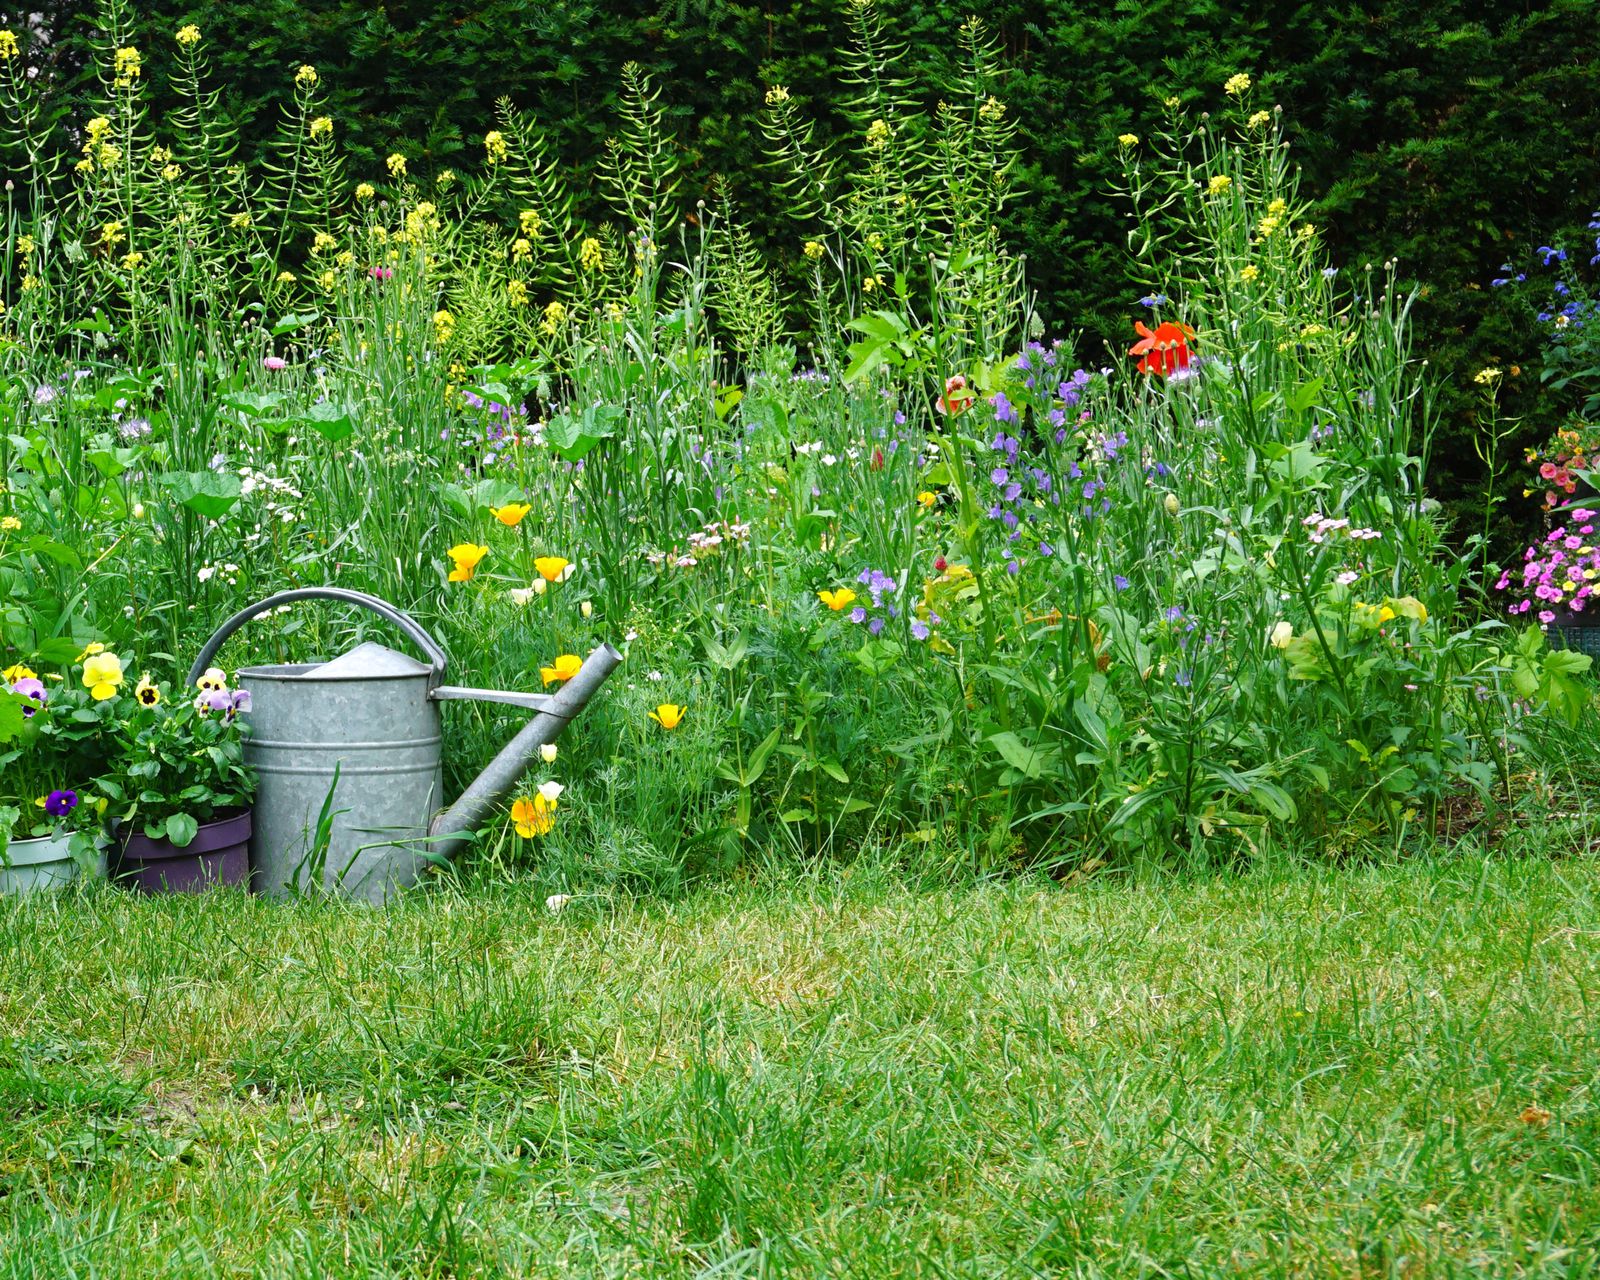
(453, 828)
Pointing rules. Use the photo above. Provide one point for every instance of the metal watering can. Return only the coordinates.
(347, 757)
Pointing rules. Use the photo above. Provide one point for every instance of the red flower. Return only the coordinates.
(1165, 351)
(956, 396)
(877, 459)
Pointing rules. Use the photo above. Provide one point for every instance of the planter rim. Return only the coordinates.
(37, 851)
(219, 833)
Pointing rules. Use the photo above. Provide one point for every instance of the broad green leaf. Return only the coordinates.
(211, 494)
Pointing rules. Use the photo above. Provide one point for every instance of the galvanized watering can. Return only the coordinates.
(347, 753)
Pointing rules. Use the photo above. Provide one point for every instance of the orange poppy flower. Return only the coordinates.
(957, 396)
(1164, 351)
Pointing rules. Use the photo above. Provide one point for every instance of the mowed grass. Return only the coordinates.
(1364, 1072)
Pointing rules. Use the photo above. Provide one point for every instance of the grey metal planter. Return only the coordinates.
(39, 866)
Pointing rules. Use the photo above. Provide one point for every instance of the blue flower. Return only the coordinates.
(1173, 613)
(1119, 582)
(1153, 300)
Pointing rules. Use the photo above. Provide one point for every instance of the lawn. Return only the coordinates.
(1380, 1070)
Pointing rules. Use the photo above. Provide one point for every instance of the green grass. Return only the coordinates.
(1294, 1072)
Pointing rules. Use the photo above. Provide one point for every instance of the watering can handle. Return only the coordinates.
(382, 608)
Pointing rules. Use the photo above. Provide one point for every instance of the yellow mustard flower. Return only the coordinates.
(111, 233)
(517, 293)
(132, 261)
(322, 127)
(1258, 119)
(306, 76)
(396, 164)
(776, 94)
(466, 557)
(188, 36)
(813, 249)
(126, 65)
(521, 248)
(1485, 376)
(555, 315)
(1128, 139)
(9, 524)
(562, 670)
(444, 324)
(1250, 273)
(590, 255)
(1219, 183)
(529, 222)
(1236, 85)
(8, 44)
(365, 191)
(495, 147)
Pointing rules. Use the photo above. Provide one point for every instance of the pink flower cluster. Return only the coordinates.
(1560, 572)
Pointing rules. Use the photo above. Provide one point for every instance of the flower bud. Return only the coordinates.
(1170, 502)
(586, 609)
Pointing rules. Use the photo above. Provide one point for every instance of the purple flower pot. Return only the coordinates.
(219, 854)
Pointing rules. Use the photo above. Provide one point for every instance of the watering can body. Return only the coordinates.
(348, 759)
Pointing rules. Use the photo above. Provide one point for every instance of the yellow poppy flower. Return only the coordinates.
(668, 715)
(566, 666)
(553, 568)
(511, 514)
(837, 600)
(466, 556)
(533, 816)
